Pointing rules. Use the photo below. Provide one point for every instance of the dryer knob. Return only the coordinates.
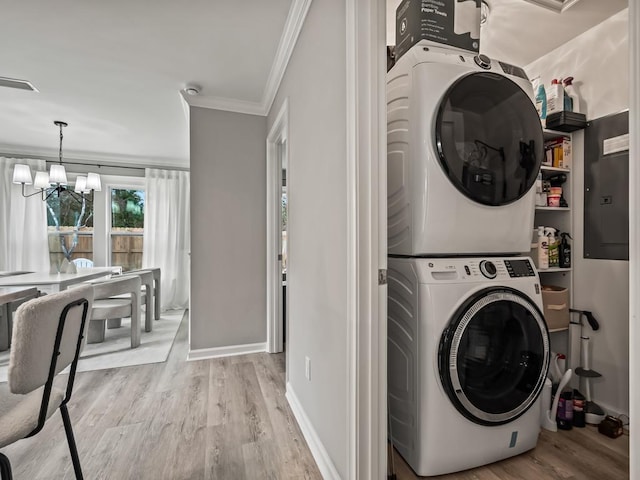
(483, 61)
(488, 269)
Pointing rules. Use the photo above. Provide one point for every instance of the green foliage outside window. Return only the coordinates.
(127, 209)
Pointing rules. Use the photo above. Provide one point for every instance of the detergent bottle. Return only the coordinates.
(552, 247)
(543, 249)
(541, 99)
(565, 251)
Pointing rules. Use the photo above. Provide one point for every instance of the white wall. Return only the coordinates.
(315, 84)
(599, 61)
(228, 229)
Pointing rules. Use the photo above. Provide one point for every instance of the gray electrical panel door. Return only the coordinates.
(606, 183)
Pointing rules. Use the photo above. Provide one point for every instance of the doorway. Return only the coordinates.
(278, 166)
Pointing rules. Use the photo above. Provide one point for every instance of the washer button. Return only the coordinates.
(466, 269)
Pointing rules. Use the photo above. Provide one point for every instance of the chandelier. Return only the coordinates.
(55, 182)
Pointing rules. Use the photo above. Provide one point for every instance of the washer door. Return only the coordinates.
(494, 356)
(489, 138)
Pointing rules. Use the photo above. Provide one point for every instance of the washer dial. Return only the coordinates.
(488, 269)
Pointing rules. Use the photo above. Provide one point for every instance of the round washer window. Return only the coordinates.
(489, 138)
(494, 356)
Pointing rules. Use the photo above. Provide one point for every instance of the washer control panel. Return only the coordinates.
(519, 268)
(477, 269)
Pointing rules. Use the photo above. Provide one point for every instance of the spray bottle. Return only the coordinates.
(543, 249)
(572, 94)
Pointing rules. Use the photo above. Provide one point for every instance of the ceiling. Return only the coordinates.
(114, 69)
(519, 32)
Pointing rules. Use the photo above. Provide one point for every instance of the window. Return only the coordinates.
(70, 225)
(127, 227)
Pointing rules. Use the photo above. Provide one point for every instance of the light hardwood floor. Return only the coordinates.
(577, 454)
(211, 419)
(228, 419)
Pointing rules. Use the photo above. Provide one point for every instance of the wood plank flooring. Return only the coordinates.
(228, 419)
(577, 454)
(211, 419)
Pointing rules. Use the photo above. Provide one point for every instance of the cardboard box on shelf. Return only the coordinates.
(558, 152)
(452, 23)
(556, 306)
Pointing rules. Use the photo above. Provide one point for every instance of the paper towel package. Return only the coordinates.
(455, 23)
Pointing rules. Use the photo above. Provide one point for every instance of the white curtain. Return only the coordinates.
(23, 222)
(167, 233)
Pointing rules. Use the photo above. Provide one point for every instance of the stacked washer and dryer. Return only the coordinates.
(468, 347)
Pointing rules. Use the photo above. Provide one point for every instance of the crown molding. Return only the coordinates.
(99, 159)
(226, 104)
(292, 28)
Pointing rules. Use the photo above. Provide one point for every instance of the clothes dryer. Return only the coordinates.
(464, 148)
(468, 354)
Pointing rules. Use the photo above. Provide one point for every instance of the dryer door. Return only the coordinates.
(489, 138)
(494, 356)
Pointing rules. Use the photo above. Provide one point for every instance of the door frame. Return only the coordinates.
(277, 137)
(634, 237)
(366, 239)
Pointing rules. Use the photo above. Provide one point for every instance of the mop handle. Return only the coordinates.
(585, 353)
(590, 318)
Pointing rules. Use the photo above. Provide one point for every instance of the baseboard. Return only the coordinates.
(216, 352)
(320, 454)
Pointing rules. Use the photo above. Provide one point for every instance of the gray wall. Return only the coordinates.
(599, 59)
(315, 84)
(228, 256)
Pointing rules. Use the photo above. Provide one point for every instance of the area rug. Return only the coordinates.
(116, 350)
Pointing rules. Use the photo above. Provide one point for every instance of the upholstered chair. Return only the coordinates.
(156, 291)
(146, 298)
(106, 307)
(48, 336)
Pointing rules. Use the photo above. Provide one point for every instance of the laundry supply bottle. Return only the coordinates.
(543, 252)
(552, 247)
(570, 91)
(564, 418)
(579, 403)
(565, 251)
(566, 99)
(555, 97)
(541, 100)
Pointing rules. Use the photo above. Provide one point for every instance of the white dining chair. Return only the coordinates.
(157, 287)
(82, 262)
(105, 307)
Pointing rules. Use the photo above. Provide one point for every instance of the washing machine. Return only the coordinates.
(468, 353)
(464, 148)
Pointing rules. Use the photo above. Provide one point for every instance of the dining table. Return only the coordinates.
(47, 282)
(8, 295)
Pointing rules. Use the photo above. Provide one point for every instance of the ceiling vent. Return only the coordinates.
(15, 83)
(558, 6)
